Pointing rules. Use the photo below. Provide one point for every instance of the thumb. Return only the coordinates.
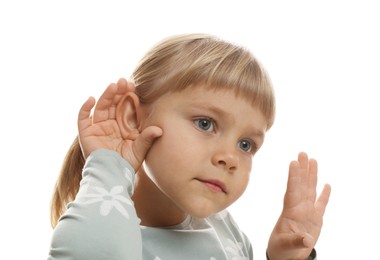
(143, 143)
(301, 240)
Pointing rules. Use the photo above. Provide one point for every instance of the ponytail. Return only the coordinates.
(67, 185)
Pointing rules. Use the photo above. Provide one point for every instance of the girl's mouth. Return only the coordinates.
(214, 185)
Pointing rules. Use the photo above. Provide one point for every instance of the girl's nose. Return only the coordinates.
(226, 158)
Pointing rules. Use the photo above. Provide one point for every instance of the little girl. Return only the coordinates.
(159, 160)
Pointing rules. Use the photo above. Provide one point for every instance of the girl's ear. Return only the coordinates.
(127, 115)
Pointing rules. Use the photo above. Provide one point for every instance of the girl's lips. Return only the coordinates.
(214, 185)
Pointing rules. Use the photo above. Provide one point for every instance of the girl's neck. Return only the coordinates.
(153, 207)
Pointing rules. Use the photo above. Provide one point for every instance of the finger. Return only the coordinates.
(106, 107)
(301, 240)
(323, 199)
(144, 141)
(303, 160)
(313, 179)
(105, 102)
(297, 185)
(84, 119)
(308, 241)
(296, 241)
(292, 194)
(293, 178)
(122, 82)
(304, 173)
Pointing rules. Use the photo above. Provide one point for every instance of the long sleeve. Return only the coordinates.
(101, 223)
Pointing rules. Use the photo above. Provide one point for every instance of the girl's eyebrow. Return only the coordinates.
(224, 113)
(212, 108)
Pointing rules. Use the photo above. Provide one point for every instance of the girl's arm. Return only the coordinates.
(101, 222)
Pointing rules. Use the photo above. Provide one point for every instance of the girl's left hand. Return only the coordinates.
(299, 226)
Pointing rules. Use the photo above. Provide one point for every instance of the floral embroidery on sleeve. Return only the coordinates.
(109, 200)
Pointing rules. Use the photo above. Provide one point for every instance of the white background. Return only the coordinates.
(323, 58)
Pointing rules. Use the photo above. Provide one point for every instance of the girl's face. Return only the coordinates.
(202, 162)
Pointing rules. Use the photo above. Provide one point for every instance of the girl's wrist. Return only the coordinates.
(312, 256)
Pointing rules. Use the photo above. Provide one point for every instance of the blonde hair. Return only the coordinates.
(174, 64)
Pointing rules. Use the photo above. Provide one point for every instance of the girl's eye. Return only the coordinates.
(204, 124)
(246, 146)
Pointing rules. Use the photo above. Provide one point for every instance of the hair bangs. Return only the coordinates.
(185, 61)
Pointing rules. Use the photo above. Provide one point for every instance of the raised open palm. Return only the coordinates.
(299, 226)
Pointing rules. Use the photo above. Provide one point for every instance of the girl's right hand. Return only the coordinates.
(101, 130)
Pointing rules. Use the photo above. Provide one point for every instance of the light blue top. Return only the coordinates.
(101, 223)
